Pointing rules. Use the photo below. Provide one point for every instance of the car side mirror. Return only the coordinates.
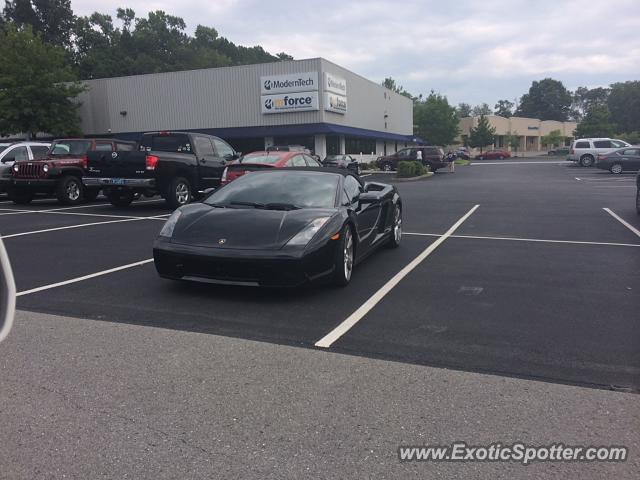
(7, 294)
(207, 192)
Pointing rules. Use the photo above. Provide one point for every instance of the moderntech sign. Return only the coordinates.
(296, 82)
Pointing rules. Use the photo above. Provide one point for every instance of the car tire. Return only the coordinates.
(90, 194)
(386, 167)
(69, 190)
(345, 255)
(480, 157)
(20, 197)
(616, 168)
(500, 157)
(179, 192)
(586, 161)
(120, 198)
(396, 229)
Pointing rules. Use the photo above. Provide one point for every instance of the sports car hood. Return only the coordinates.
(242, 228)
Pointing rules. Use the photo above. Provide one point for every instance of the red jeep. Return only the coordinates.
(60, 172)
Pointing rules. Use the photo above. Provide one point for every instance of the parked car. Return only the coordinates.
(177, 165)
(558, 151)
(623, 160)
(493, 155)
(280, 227)
(342, 161)
(260, 160)
(463, 153)
(61, 170)
(433, 157)
(16, 152)
(585, 150)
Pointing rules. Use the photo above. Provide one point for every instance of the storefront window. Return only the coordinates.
(354, 145)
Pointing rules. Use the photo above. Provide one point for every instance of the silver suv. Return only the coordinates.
(585, 150)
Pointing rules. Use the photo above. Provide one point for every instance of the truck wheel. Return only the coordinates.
(386, 167)
(69, 190)
(179, 192)
(120, 198)
(90, 194)
(20, 197)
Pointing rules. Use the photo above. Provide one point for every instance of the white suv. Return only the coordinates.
(586, 150)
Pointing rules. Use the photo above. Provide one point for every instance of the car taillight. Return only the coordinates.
(84, 162)
(150, 162)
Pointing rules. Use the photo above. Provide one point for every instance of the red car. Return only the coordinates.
(271, 159)
(493, 154)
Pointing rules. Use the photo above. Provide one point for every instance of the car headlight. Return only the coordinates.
(45, 168)
(306, 234)
(170, 224)
(16, 167)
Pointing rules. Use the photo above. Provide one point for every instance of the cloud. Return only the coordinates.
(471, 51)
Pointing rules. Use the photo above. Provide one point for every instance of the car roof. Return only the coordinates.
(29, 144)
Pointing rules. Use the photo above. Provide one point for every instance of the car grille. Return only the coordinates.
(26, 170)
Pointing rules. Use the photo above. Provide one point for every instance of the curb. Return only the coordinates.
(413, 179)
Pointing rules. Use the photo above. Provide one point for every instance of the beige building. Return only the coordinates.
(529, 131)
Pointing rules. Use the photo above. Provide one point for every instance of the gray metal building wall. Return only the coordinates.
(230, 97)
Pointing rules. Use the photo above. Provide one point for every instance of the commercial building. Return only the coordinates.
(529, 131)
(313, 102)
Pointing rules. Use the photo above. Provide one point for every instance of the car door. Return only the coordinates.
(367, 213)
(210, 165)
(631, 159)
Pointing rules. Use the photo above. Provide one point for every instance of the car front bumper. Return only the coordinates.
(39, 185)
(271, 268)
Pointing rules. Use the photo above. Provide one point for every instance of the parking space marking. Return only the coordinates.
(355, 317)
(14, 211)
(85, 277)
(55, 212)
(68, 227)
(622, 221)
(519, 239)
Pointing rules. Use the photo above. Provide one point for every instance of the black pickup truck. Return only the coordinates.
(178, 166)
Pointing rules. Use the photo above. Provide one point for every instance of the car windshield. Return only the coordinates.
(297, 189)
(264, 158)
(70, 147)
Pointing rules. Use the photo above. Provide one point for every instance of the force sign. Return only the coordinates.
(290, 102)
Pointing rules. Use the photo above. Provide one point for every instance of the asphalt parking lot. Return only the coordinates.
(538, 282)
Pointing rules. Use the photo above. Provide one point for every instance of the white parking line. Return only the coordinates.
(519, 239)
(85, 277)
(355, 317)
(23, 211)
(629, 226)
(68, 227)
(103, 215)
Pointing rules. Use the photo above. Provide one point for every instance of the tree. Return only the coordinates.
(51, 19)
(512, 140)
(464, 110)
(596, 123)
(554, 138)
(390, 83)
(547, 99)
(624, 106)
(583, 99)
(483, 109)
(37, 89)
(481, 135)
(435, 120)
(504, 108)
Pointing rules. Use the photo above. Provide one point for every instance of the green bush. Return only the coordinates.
(411, 169)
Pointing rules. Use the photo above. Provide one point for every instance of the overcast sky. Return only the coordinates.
(472, 51)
